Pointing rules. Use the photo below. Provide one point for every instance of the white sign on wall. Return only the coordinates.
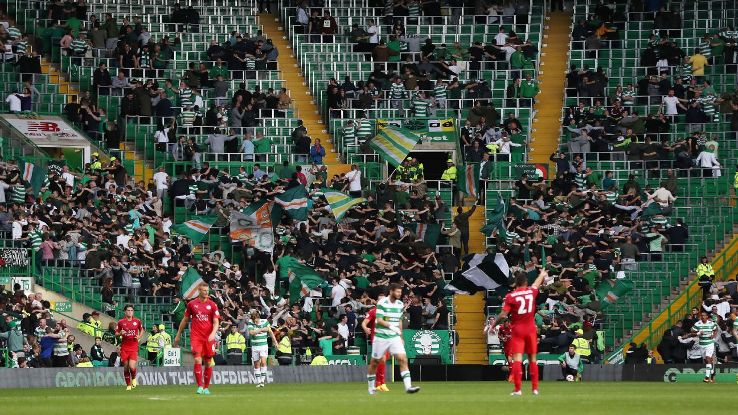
(172, 356)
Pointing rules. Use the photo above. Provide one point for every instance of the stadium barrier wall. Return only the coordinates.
(156, 376)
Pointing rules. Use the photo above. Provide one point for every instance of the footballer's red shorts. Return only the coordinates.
(524, 342)
(202, 348)
(128, 354)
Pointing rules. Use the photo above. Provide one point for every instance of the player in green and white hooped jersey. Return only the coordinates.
(388, 337)
(706, 330)
(259, 331)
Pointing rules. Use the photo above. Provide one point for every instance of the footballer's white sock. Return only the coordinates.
(263, 375)
(370, 380)
(406, 379)
(708, 370)
(257, 374)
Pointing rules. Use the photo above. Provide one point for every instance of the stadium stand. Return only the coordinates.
(208, 115)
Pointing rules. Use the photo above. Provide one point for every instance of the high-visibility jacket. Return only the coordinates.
(285, 346)
(235, 341)
(319, 360)
(581, 346)
(166, 338)
(449, 174)
(152, 344)
(735, 180)
(705, 269)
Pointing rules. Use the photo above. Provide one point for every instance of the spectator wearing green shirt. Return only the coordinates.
(262, 145)
(219, 69)
(528, 90)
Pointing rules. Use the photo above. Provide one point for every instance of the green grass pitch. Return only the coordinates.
(465, 398)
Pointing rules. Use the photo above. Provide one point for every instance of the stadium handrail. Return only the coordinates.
(724, 265)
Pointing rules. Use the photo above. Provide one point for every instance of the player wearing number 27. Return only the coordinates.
(520, 307)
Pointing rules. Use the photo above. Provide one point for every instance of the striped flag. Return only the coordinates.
(340, 203)
(253, 226)
(468, 182)
(426, 232)
(294, 201)
(191, 281)
(195, 229)
(394, 144)
(32, 174)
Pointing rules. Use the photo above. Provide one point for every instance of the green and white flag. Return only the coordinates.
(496, 219)
(302, 278)
(253, 226)
(468, 181)
(394, 144)
(191, 281)
(427, 232)
(294, 201)
(340, 203)
(195, 229)
(32, 174)
(610, 291)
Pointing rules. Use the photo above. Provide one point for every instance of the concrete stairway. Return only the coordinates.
(302, 100)
(470, 316)
(552, 78)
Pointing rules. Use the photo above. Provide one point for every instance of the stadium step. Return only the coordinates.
(142, 171)
(477, 240)
(469, 311)
(304, 104)
(554, 55)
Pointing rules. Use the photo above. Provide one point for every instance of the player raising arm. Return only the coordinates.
(205, 322)
(520, 307)
(130, 330)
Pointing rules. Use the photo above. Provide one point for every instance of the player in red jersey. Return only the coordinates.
(205, 322)
(368, 325)
(130, 330)
(520, 307)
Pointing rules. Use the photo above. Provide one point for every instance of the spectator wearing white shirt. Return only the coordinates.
(13, 102)
(670, 102)
(373, 31)
(3, 187)
(67, 176)
(161, 180)
(501, 37)
(504, 144)
(354, 181)
(343, 329)
(662, 196)
(708, 161)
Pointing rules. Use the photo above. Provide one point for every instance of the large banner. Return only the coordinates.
(437, 130)
(161, 376)
(499, 359)
(428, 343)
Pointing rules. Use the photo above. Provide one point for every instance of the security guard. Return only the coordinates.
(705, 268)
(450, 172)
(581, 345)
(403, 170)
(235, 346)
(450, 175)
(419, 169)
(152, 344)
(166, 339)
(284, 348)
(96, 164)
